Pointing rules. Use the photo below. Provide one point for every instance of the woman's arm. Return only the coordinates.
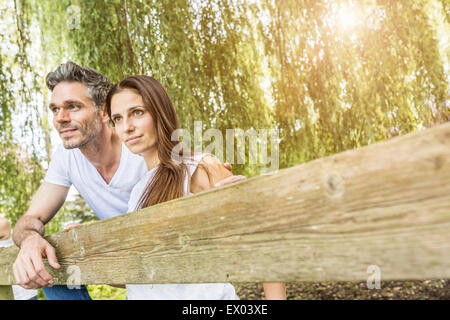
(201, 181)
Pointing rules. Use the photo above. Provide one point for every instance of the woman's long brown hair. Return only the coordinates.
(168, 181)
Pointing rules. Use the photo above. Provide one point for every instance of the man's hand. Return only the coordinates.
(29, 269)
(231, 179)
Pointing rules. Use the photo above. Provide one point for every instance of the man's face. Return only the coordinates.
(75, 116)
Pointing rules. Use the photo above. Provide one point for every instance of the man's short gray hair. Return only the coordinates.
(97, 84)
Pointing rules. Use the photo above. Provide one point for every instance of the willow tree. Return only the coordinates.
(341, 73)
(21, 133)
(204, 53)
(351, 73)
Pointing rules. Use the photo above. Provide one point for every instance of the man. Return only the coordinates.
(93, 159)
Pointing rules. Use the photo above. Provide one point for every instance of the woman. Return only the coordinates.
(144, 118)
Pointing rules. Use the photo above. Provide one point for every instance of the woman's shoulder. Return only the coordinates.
(210, 171)
(143, 181)
(138, 189)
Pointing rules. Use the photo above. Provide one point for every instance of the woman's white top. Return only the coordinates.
(198, 291)
(19, 292)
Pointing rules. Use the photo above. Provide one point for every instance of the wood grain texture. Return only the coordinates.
(387, 204)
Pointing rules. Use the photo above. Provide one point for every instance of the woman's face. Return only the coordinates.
(133, 123)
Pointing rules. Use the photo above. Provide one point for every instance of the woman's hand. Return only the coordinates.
(215, 175)
(70, 226)
(229, 180)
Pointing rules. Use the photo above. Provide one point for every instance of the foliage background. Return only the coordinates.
(330, 75)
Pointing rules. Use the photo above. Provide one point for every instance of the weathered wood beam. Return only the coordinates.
(387, 204)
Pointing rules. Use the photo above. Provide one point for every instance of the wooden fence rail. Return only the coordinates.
(387, 204)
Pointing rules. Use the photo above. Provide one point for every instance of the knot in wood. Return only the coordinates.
(334, 186)
(439, 162)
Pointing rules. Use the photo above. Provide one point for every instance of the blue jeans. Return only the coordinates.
(64, 293)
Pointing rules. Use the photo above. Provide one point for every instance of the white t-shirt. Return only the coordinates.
(19, 292)
(198, 291)
(70, 166)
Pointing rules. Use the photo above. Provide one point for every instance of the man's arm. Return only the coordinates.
(29, 269)
(47, 200)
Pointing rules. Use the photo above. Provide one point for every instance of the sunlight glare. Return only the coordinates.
(348, 17)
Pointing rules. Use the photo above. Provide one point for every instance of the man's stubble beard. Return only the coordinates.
(88, 133)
